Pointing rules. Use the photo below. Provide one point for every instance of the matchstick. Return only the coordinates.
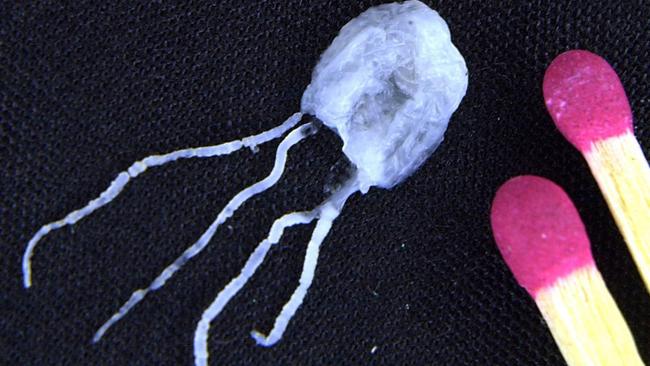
(586, 100)
(542, 239)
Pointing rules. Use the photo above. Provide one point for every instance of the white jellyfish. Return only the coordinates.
(387, 85)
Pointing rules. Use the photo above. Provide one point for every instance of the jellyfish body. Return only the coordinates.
(387, 85)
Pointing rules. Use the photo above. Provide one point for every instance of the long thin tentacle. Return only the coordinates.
(228, 292)
(139, 167)
(328, 212)
(292, 138)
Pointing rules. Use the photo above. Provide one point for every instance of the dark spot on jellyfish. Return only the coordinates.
(339, 173)
(313, 127)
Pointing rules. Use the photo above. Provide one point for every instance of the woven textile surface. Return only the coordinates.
(407, 276)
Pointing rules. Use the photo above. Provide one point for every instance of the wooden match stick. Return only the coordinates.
(586, 100)
(542, 239)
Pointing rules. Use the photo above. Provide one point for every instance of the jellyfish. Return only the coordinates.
(387, 86)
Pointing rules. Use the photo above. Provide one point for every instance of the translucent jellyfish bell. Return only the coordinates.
(388, 84)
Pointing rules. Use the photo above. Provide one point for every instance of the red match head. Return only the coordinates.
(538, 231)
(586, 99)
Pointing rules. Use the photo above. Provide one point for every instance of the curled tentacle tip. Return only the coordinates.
(261, 339)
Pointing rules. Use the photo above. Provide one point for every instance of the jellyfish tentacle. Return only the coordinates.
(292, 138)
(137, 168)
(311, 257)
(327, 213)
(236, 284)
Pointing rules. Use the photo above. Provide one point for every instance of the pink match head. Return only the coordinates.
(538, 231)
(586, 99)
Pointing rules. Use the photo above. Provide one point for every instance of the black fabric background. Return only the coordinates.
(88, 88)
